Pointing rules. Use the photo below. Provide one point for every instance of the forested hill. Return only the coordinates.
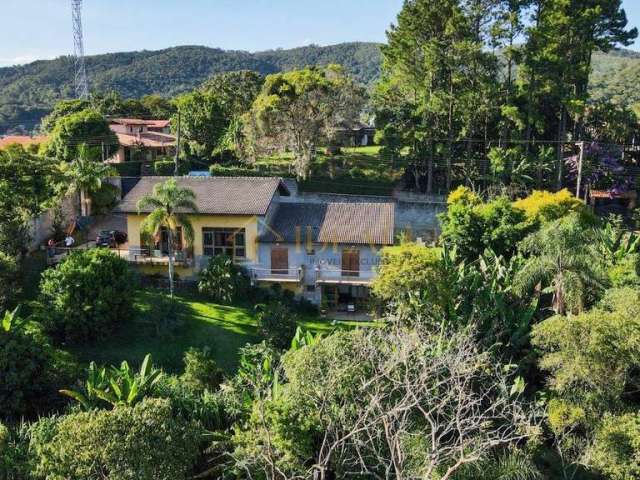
(28, 92)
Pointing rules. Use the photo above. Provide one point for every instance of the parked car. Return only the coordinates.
(110, 238)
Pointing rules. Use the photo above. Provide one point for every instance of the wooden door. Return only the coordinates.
(279, 260)
(351, 263)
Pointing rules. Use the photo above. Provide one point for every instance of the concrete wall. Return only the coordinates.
(41, 227)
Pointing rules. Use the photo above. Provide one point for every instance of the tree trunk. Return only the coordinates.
(450, 135)
(171, 265)
(84, 210)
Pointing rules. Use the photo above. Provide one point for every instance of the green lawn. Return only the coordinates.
(224, 329)
(357, 170)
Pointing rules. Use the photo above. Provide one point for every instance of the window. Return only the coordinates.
(224, 241)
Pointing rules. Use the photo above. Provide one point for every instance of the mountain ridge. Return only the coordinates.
(28, 92)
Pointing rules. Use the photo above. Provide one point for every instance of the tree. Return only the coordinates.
(167, 205)
(400, 403)
(85, 174)
(560, 259)
(82, 298)
(436, 78)
(27, 187)
(143, 442)
(221, 280)
(202, 122)
(277, 324)
(158, 107)
(87, 127)
(27, 368)
(9, 281)
(616, 449)
(236, 91)
(593, 361)
(298, 110)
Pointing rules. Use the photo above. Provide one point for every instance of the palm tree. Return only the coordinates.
(561, 260)
(85, 175)
(169, 204)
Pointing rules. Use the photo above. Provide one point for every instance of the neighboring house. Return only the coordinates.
(141, 140)
(321, 251)
(23, 140)
(356, 134)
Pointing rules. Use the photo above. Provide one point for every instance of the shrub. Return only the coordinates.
(616, 450)
(27, 370)
(14, 445)
(87, 295)
(546, 206)
(164, 168)
(201, 371)
(128, 169)
(221, 280)
(144, 442)
(9, 281)
(625, 273)
(472, 227)
(277, 324)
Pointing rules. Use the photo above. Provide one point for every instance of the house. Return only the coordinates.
(355, 134)
(325, 252)
(141, 140)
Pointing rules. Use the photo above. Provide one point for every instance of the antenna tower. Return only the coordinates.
(82, 84)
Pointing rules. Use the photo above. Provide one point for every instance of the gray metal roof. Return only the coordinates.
(345, 223)
(215, 195)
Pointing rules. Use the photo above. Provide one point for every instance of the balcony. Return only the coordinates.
(146, 256)
(337, 276)
(288, 275)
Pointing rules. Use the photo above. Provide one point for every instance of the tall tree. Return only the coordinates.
(298, 110)
(436, 68)
(168, 204)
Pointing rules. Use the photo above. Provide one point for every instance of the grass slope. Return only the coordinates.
(224, 329)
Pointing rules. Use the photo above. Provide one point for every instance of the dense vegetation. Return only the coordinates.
(29, 92)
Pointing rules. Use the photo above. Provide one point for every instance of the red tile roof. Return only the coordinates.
(138, 121)
(147, 139)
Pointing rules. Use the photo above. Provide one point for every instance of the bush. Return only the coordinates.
(625, 273)
(277, 324)
(472, 227)
(9, 281)
(144, 442)
(616, 450)
(27, 370)
(87, 295)
(201, 371)
(14, 445)
(543, 206)
(221, 280)
(164, 168)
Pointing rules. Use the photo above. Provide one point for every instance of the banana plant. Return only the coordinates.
(9, 320)
(614, 243)
(116, 385)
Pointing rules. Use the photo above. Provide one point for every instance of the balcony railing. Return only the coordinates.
(147, 256)
(338, 275)
(263, 274)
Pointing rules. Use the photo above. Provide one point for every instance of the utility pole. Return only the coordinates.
(175, 170)
(580, 160)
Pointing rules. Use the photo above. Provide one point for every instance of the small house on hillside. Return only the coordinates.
(141, 140)
(355, 134)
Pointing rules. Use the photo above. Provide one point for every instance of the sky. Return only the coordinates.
(41, 29)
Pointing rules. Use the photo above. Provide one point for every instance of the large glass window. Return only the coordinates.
(224, 241)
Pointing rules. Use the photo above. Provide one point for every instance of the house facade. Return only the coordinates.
(141, 140)
(324, 252)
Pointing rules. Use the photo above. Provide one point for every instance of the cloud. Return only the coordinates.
(25, 58)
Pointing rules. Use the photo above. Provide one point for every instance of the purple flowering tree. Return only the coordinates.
(601, 168)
